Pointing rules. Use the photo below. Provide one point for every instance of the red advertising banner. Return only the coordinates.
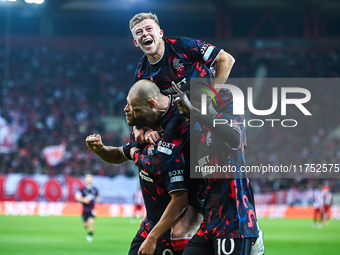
(127, 210)
(63, 209)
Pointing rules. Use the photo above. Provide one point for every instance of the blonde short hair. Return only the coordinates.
(142, 16)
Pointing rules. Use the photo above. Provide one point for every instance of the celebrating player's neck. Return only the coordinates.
(155, 57)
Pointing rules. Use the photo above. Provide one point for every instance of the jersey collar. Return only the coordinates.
(170, 103)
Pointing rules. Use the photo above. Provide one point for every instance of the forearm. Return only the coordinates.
(174, 209)
(111, 154)
(81, 199)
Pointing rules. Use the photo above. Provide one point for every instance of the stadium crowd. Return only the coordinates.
(58, 96)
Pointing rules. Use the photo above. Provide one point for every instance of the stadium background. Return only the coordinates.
(66, 67)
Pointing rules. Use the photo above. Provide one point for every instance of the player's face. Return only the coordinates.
(133, 113)
(137, 113)
(148, 36)
(88, 180)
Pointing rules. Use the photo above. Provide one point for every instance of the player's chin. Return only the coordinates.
(149, 50)
(130, 122)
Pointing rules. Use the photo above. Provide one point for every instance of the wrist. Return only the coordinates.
(99, 149)
(152, 237)
(134, 153)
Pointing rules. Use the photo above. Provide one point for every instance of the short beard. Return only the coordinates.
(137, 122)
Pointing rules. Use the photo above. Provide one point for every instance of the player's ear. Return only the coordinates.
(161, 33)
(152, 103)
(135, 42)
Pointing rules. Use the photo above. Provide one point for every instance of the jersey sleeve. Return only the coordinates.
(175, 136)
(198, 50)
(174, 175)
(97, 192)
(141, 67)
(127, 147)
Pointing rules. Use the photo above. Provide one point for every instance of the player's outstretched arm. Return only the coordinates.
(109, 154)
(177, 205)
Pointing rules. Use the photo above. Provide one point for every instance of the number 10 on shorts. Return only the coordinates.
(221, 246)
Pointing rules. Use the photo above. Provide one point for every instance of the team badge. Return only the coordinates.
(178, 65)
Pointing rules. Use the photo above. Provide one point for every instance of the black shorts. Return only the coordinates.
(87, 215)
(161, 249)
(200, 246)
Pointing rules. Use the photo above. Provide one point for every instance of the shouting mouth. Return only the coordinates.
(147, 42)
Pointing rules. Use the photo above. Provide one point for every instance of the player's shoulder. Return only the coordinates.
(172, 115)
(81, 191)
(179, 41)
(223, 100)
(142, 62)
(82, 188)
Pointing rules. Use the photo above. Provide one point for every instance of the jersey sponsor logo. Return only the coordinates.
(166, 144)
(175, 172)
(165, 147)
(176, 176)
(144, 177)
(206, 51)
(176, 179)
(164, 150)
(178, 65)
(203, 161)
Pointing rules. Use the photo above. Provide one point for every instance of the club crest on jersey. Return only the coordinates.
(150, 149)
(208, 138)
(178, 65)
